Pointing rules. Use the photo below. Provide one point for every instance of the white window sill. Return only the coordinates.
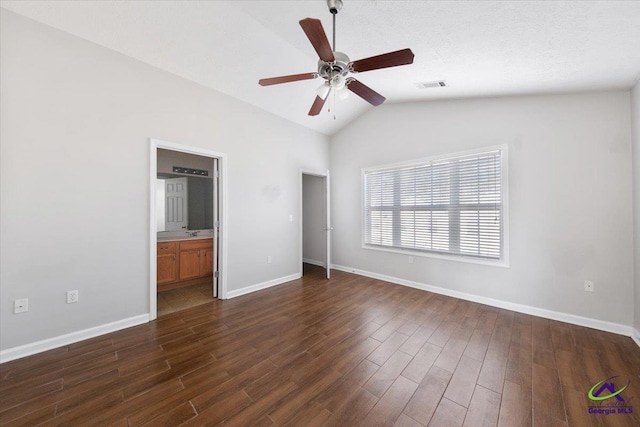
(504, 263)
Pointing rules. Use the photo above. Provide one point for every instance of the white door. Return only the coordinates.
(176, 204)
(216, 226)
(328, 228)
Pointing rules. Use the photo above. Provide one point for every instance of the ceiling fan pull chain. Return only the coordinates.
(334, 101)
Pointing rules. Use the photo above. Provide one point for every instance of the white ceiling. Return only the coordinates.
(483, 48)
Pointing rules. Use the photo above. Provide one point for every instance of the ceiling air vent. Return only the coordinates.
(428, 85)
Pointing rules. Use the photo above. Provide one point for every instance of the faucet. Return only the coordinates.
(192, 233)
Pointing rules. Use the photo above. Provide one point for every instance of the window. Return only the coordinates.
(452, 205)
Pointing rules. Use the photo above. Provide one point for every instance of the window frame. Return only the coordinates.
(504, 164)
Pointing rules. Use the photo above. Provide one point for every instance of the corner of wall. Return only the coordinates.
(635, 335)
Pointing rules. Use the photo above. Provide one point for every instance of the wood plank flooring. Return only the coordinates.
(345, 352)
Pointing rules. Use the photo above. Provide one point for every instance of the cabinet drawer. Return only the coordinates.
(167, 248)
(190, 245)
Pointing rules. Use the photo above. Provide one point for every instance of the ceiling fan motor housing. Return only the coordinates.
(334, 6)
(327, 70)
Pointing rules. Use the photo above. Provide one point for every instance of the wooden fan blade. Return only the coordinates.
(366, 93)
(391, 59)
(287, 79)
(317, 105)
(316, 35)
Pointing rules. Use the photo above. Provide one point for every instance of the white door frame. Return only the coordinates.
(328, 228)
(154, 144)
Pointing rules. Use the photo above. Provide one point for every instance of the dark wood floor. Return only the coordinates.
(346, 352)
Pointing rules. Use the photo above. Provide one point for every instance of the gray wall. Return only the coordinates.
(313, 222)
(77, 218)
(635, 123)
(569, 193)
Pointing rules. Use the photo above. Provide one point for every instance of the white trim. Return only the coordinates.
(434, 158)
(602, 325)
(505, 205)
(635, 336)
(446, 257)
(153, 233)
(263, 285)
(313, 261)
(70, 338)
(154, 144)
(504, 164)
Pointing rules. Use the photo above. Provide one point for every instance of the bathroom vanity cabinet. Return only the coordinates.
(184, 262)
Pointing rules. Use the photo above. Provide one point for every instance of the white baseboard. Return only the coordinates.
(602, 325)
(313, 261)
(263, 285)
(70, 338)
(635, 335)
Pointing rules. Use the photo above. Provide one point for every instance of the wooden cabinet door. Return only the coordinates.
(189, 264)
(166, 268)
(206, 259)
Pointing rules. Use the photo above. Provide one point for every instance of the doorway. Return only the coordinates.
(187, 227)
(315, 224)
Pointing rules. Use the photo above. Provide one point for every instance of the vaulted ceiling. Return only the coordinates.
(483, 48)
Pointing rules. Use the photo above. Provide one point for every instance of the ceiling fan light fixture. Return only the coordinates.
(323, 90)
(343, 93)
(338, 81)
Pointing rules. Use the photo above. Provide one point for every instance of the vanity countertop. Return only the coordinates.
(176, 239)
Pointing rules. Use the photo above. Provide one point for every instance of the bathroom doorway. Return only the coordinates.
(187, 227)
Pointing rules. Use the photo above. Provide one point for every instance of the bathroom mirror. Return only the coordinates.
(184, 203)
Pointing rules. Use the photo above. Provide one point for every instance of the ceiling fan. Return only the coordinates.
(335, 67)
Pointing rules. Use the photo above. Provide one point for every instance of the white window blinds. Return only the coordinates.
(449, 206)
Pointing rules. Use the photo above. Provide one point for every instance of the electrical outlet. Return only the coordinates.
(269, 259)
(410, 260)
(589, 286)
(21, 305)
(72, 297)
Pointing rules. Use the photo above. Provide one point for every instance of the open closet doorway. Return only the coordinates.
(315, 224)
(187, 227)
